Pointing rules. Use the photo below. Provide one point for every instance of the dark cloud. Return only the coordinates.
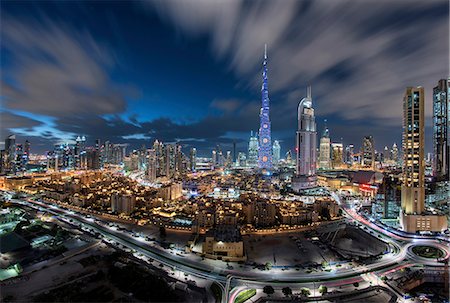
(57, 72)
(10, 121)
(382, 46)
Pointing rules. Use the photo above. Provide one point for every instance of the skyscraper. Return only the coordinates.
(338, 155)
(252, 160)
(413, 175)
(193, 159)
(413, 217)
(10, 154)
(368, 152)
(349, 154)
(306, 145)
(394, 153)
(276, 152)
(441, 128)
(151, 166)
(324, 149)
(265, 144)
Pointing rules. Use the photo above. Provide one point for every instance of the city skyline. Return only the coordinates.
(133, 106)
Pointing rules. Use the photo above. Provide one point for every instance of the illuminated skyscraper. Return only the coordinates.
(151, 166)
(338, 154)
(394, 153)
(276, 152)
(368, 152)
(324, 149)
(413, 216)
(441, 125)
(306, 145)
(265, 143)
(10, 154)
(413, 187)
(252, 160)
(349, 154)
(193, 159)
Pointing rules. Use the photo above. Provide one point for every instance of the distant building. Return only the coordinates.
(338, 155)
(10, 154)
(394, 153)
(123, 203)
(324, 150)
(349, 154)
(368, 152)
(276, 151)
(151, 166)
(252, 160)
(193, 159)
(171, 191)
(224, 241)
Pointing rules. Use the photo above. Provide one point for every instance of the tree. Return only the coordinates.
(287, 291)
(323, 289)
(305, 291)
(268, 290)
(162, 232)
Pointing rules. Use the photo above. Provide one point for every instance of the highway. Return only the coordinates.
(192, 264)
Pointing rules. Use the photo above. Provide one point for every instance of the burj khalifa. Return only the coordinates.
(265, 142)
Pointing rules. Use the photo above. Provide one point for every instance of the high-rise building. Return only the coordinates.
(27, 150)
(306, 145)
(349, 154)
(214, 159)
(394, 153)
(413, 176)
(324, 149)
(338, 155)
(265, 142)
(368, 152)
(234, 153)
(413, 216)
(276, 152)
(252, 160)
(193, 159)
(151, 166)
(242, 160)
(10, 154)
(386, 154)
(441, 128)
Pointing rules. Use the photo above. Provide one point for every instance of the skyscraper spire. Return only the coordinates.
(265, 144)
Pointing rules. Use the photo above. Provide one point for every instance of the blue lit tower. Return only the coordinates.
(265, 142)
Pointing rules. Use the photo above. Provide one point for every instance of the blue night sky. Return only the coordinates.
(190, 71)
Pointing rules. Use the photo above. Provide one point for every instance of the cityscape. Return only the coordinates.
(224, 151)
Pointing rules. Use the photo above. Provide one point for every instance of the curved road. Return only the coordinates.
(193, 264)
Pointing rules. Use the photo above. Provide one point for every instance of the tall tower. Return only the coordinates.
(306, 145)
(441, 128)
(265, 142)
(413, 186)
